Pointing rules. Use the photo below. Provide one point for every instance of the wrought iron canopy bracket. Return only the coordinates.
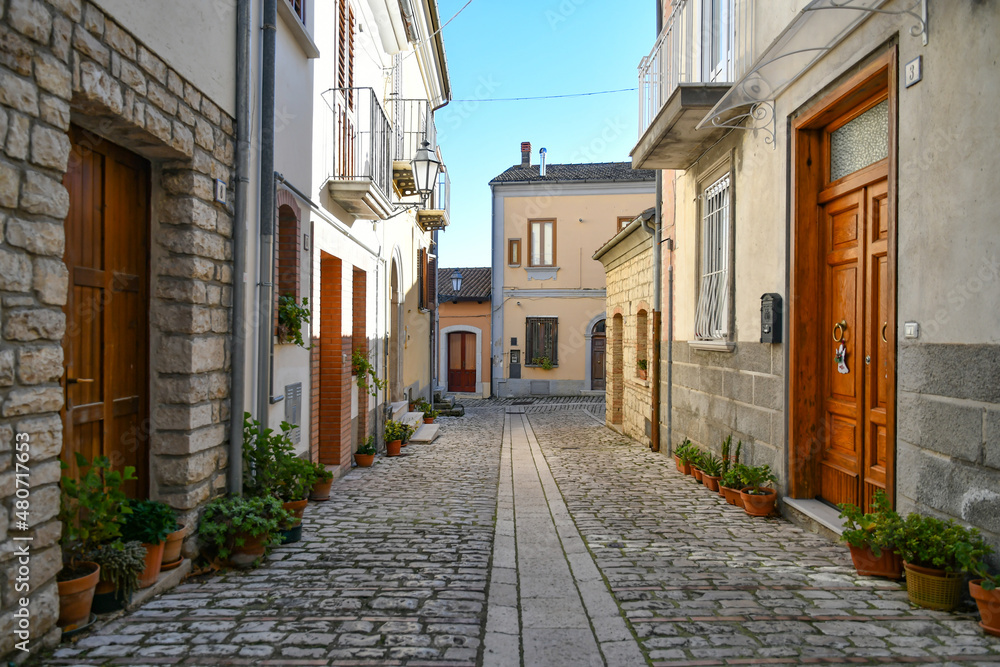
(920, 28)
(759, 118)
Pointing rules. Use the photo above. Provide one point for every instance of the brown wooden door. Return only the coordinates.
(598, 354)
(462, 362)
(855, 227)
(105, 348)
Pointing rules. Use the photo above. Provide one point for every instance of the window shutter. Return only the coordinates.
(421, 277)
(431, 274)
(342, 44)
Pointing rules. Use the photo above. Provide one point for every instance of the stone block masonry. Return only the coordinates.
(66, 61)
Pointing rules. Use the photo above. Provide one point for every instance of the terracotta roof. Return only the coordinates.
(595, 171)
(476, 284)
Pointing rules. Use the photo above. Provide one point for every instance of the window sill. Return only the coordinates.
(541, 272)
(712, 345)
(554, 366)
(299, 31)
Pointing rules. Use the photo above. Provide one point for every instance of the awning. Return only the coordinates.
(818, 28)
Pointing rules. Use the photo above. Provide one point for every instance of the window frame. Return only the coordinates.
(721, 262)
(531, 248)
(513, 249)
(530, 342)
(624, 221)
(299, 9)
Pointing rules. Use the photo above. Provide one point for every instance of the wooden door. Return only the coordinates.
(855, 230)
(598, 355)
(105, 348)
(462, 362)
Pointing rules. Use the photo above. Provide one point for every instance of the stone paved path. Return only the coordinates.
(600, 553)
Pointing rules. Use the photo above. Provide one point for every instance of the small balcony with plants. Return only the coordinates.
(413, 127)
(435, 214)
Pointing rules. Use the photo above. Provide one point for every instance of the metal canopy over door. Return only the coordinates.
(105, 347)
(462, 362)
(855, 230)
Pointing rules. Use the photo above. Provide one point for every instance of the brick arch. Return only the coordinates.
(287, 246)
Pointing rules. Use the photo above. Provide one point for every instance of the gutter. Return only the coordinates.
(234, 478)
(265, 300)
(654, 439)
(641, 221)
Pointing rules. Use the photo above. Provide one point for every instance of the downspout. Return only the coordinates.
(265, 303)
(240, 329)
(654, 439)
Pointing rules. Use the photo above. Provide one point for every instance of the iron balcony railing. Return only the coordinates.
(360, 147)
(413, 124)
(703, 41)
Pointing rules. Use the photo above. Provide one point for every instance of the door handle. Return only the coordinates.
(80, 380)
(884, 325)
(842, 327)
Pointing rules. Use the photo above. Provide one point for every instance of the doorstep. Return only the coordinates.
(815, 515)
(425, 434)
(166, 581)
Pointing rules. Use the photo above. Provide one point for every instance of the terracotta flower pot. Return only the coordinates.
(758, 504)
(363, 461)
(252, 549)
(696, 473)
(732, 496)
(172, 547)
(392, 448)
(888, 565)
(711, 481)
(321, 490)
(76, 597)
(989, 606)
(429, 420)
(678, 464)
(933, 589)
(297, 508)
(154, 559)
(641, 373)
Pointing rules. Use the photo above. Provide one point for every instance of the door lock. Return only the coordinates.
(868, 359)
(80, 380)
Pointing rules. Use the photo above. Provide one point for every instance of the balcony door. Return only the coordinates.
(719, 34)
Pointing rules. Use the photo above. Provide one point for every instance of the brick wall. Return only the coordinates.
(359, 335)
(334, 368)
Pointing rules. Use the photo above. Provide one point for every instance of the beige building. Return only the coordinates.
(464, 330)
(831, 197)
(548, 293)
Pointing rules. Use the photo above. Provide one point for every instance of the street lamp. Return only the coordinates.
(425, 170)
(456, 281)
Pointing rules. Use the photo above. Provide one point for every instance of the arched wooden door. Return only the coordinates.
(461, 362)
(598, 357)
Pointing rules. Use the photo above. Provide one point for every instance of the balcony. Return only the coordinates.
(358, 153)
(413, 124)
(705, 45)
(436, 214)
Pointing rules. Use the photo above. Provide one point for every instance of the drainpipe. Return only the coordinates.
(265, 304)
(238, 392)
(654, 440)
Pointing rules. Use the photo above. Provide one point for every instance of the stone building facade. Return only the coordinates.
(628, 263)
(69, 69)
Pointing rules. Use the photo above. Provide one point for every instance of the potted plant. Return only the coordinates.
(730, 483)
(679, 454)
(240, 530)
(408, 433)
(935, 553)
(121, 565)
(321, 487)
(172, 548)
(688, 459)
(711, 471)
(291, 316)
(92, 510)
(295, 479)
(984, 591)
(149, 523)
(394, 432)
(642, 364)
(365, 456)
(695, 457)
(430, 414)
(728, 462)
(870, 535)
(758, 498)
(543, 362)
(368, 380)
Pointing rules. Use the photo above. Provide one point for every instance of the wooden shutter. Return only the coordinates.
(431, 273)
(422, 277)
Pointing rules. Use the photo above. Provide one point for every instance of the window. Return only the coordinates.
(641, 351)
(712, 318)
(345, 43)
(541, 338)
(623, 221)
(542, 242)
(513, 252)
(719, 37)
(299, 7)
(423, 280)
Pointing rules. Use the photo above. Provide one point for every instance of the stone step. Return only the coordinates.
(454, 412)
(399, 409)
(425, 434)
(412, 418)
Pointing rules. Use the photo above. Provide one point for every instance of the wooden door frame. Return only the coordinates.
(809, 173)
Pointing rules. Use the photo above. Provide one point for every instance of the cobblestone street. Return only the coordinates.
(535, 536)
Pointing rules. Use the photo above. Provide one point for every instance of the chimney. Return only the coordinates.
(525, 153)
(541, 162)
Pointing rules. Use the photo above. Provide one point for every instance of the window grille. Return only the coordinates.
(542, 336)
(712, 318)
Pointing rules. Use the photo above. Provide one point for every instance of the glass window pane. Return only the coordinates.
(861, 142)
(547, 243)
(536, 243)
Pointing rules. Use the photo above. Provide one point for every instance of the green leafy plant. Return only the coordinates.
(263, 452)
(679, 449)
(876, 529)
(731, 479)
(92, 509)
(410, 430)
(756, 477)
(943, 545)
(227, 522)
(149, 522)
(324, 475)
(691, 456)
(544, 362)
(642, 363)
(395, 430)
(711, 465)
(294, 479)
(367, 448)
(291, 316)
(989, 581)
(121, 564)
(368, 380)
(727, 446)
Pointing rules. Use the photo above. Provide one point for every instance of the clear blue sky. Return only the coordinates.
(527, 48)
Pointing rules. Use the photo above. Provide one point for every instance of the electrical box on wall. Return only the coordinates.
(515, 365)
(770, 318)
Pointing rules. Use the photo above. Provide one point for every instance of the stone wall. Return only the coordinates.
(948, 433)
(739, 393)
(66, 60)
